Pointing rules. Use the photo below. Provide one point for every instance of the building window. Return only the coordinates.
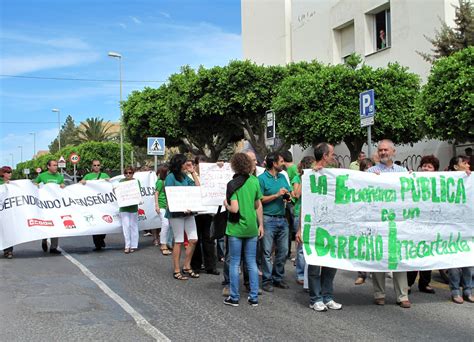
(383, 30)
(345, 38)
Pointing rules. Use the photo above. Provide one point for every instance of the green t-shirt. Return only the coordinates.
(2, 181)
(47, 177)
(297, 180)
(292, 171)
(246, 196)
(131, 208)
(93, 176)
(159, 187)
(270, 185)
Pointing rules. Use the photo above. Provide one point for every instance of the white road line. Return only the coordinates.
(139, 319)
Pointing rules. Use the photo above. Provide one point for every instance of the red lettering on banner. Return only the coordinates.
(38, 222)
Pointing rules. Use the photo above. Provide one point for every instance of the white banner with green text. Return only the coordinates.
(389, 222)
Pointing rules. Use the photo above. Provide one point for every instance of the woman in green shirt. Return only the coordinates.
(161, 205)
(244, 226)
(306, 163)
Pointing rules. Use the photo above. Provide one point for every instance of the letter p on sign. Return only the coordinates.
(367, 107)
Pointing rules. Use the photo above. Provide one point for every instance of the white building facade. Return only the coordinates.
(277, 32)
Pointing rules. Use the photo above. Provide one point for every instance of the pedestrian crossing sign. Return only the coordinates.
(155, 146)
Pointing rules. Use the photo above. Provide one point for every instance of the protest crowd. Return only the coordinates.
(253, 230)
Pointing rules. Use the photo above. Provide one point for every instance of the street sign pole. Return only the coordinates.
(75, 175)
(369, 141)
(367, 114)
(156, 163)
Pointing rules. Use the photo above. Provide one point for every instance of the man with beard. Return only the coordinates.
(276, 192)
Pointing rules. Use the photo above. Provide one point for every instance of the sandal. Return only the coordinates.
(190, 273)
(179, 276)
(166, 251)
(126, 250)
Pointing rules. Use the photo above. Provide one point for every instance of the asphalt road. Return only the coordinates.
(48, 298)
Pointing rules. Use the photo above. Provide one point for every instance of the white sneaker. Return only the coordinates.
(333, 305)
(318, 306)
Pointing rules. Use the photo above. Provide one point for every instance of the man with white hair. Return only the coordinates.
(385, 153)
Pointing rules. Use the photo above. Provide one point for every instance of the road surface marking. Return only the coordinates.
(139, 319)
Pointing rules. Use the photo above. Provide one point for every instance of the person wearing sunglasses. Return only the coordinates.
(129, 216)
(51, 176)
(5, 176)
(95, 174)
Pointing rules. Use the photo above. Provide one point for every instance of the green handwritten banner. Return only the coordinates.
(389, 222)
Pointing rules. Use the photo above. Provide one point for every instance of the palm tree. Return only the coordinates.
(95, 129)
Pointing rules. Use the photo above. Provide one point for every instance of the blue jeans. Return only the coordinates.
(250, 250)
(456, 277)
(220, 248)
(320, 283)
(300, 262)
(276, 230)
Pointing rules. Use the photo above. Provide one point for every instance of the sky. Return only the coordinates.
(42, 41)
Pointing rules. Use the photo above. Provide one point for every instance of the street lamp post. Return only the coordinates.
(21, 153)
(55, 110)
(119, 57)
(34, 144)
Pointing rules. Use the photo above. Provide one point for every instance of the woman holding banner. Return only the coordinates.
(427, 164)
(181, 222)
(306, 163)
(160, 207)
(5, 176)
(460, 277)
(129, 217)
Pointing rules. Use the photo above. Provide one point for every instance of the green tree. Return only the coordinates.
(95, 129)
(68, 135)
(145, 114)
(107, 152)
(322, 104)
(448, 98)
(248, 90)
(449, 40)
(203, 115)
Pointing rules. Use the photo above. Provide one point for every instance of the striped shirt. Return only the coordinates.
(384, 168)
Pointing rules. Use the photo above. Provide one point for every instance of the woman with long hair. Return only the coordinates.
(182, 173)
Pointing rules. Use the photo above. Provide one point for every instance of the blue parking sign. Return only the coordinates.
(367, 107)
(155, 146)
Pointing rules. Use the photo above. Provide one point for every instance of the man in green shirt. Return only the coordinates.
(276, 192)
(51, 176)
(355, 165)
(99, 239)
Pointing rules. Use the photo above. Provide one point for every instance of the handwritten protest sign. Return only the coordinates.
(390, 222)
(128, 193)
(184, 198)
(214, 179)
